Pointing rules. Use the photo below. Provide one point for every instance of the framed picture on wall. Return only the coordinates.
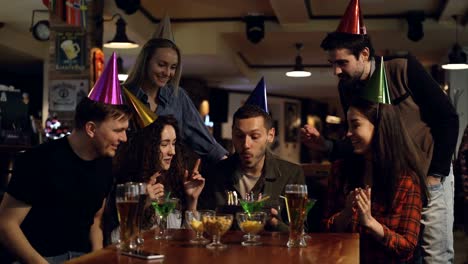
(292, 121)
(70, 51)
(64, 95)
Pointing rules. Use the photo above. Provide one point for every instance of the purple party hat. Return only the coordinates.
(107, 88)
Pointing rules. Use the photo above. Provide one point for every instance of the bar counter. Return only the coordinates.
(322, 248)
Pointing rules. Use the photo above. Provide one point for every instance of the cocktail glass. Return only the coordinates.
(194, 219)
(251, 224)
(163, 207)
(216, 226)
(310, 203)
(251, 204)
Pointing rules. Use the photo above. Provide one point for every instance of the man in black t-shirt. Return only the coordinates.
(54, 202)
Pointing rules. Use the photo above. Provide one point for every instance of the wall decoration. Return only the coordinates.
(70, 51)
(64, 95)
(96, 65)
(292, 122)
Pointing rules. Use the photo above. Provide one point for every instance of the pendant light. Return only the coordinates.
(120, 40)
(457, 57)
(298, 70)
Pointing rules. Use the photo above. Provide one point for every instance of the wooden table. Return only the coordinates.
(322, 248)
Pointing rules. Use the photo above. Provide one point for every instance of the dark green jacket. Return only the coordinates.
(277, 173)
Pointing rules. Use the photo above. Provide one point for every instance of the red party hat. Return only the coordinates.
(352, 22)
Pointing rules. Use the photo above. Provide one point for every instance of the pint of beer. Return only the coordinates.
(296, 195)
(127, 196)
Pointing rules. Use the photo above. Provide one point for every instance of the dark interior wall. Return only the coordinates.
(311, 107)
(27, 78)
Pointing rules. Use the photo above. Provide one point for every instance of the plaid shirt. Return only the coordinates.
(401, 226)
(462, 162)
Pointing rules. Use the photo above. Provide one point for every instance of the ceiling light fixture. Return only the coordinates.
(457, 58)
(298, 70)
(120, 40)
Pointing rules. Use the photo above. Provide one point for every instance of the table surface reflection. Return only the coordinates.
(322, 248)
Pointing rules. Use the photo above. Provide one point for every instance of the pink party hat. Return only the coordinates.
(107, 88)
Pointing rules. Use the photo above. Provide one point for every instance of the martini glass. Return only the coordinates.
(163, 207)
(251, 206)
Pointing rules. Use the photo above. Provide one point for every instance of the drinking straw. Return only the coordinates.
(287, 206)
(264, 198)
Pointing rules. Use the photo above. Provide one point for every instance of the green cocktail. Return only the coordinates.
(163, 207)
(251, 206)
(310, 203)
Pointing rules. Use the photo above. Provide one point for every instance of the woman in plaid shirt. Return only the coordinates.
(380, 191)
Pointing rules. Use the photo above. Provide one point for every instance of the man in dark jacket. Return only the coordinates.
(253, 168)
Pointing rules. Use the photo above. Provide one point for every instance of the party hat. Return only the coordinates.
(107, 88)
(258, 96)
(352, 22)
(164, 29)
(143, 114)
(376, 89)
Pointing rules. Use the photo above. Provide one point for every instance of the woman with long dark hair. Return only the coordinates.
(153, 155)
(380, 190)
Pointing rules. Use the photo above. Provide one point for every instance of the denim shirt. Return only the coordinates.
(191, 126)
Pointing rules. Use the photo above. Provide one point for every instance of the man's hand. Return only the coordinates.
(273, 220)
(312, 139)
(431, 180)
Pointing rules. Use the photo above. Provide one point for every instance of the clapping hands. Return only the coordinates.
(362, 203)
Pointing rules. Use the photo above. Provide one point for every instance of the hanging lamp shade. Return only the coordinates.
(120, 40)
(298, 70)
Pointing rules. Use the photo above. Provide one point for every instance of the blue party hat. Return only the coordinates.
(258, 96)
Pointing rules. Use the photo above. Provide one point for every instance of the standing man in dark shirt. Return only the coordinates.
(52, 209)
(430, 119)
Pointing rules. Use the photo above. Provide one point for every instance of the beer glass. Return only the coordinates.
(296, 196)
(127, 196)
(142, 197)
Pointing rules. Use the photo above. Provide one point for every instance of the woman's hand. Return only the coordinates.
(363, 202)
(194, 183)
(153, 189)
